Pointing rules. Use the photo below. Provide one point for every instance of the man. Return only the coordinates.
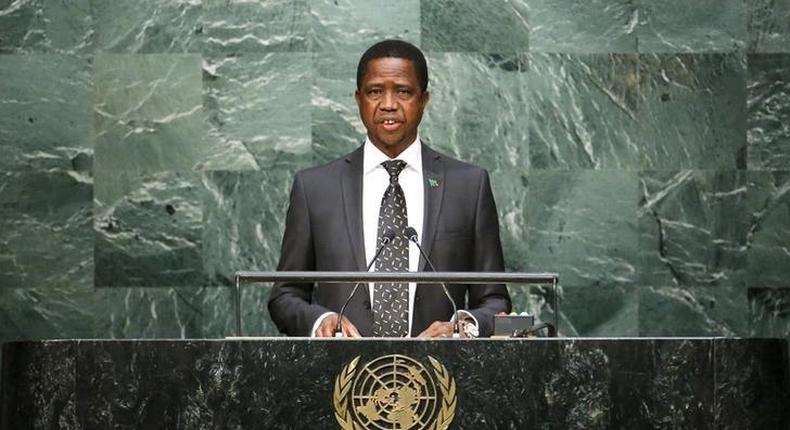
(340, 212)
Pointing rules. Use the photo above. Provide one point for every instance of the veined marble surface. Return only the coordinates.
(639, 148)
(599, 383)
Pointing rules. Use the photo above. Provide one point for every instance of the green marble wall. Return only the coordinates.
(640, 148)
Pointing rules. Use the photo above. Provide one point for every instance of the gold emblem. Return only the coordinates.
(394, 392)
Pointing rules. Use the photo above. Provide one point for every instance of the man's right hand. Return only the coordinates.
(327, 327)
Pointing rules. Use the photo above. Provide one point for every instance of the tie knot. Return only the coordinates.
(394, 167)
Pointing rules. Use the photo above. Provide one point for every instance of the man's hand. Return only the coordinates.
(327, 327)
(442, 329)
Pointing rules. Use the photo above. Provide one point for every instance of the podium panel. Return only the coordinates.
(284, 383)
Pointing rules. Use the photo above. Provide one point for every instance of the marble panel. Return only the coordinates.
(51, 312)
(45, 220)
(769, 25)
(42, 26)
(583, 111)
(768, 104)
(768, 239)
(692, 26)
(693, 311)
(152, 235)
(582, 225)
(605, 387)
(599, 311)
(336, 128)
(233, 27)
(45, 113)
(751, 385)
(258, 107)
(726, 309)
(692, 111)
(681, 395)
(244, 220)
(354, 25)
(255, 319)
(168, 313)
(147, 86)
(769, 312)
(474, 26)
(629, 371)
(147, 26)
(578, 390)
(693, 227)
(477, 109)
(149, 113)
(569, 26)
(153, 398)
(50, 372)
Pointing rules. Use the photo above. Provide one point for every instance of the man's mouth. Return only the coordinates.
(390, 124)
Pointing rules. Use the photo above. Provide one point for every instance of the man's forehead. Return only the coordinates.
(390, 68)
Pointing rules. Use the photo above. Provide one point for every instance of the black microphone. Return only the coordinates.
(385, 240)
(411, 234)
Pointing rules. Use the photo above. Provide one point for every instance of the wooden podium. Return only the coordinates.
(286, 383)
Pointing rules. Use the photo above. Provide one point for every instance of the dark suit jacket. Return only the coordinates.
(323, 231)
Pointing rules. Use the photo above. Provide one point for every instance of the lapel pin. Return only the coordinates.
(433, 182)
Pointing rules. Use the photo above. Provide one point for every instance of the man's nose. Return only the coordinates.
(388, 102)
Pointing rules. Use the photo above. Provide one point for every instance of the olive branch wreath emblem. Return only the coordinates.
(343, 385)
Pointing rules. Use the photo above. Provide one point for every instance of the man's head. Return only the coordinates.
(395, 49)
(392, 92)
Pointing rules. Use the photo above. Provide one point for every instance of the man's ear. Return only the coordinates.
(426, 97)
(356, 96)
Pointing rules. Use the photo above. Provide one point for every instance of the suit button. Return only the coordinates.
(366, 305)
(417, 299)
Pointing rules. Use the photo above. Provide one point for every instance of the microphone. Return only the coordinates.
(411, 234)
(385, 240)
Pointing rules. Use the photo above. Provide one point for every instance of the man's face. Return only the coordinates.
(391, 103)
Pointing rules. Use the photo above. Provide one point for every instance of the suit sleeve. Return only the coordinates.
(290, 305)
(487, 300)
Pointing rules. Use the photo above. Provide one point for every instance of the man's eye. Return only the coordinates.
(374, 91)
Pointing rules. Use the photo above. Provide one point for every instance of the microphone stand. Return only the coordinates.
(412, 235)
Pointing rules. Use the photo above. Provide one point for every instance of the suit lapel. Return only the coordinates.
(351, 182)
(433, 183)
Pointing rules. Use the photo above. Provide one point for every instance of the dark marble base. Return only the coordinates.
(279, 383)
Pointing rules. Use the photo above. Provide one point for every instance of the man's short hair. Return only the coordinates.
(394, 48)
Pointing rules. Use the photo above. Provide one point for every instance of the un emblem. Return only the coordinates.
(394, 392)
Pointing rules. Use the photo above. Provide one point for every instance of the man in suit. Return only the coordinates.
(340, 213)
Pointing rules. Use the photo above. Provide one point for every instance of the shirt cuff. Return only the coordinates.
(470, 320)
(318, 322)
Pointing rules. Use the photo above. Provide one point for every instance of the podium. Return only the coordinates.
(287, 383)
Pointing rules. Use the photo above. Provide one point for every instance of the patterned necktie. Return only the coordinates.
(391, 300)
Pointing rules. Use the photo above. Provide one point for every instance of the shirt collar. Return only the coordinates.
(373, 157)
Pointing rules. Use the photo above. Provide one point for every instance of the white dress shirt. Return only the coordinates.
(375, 181)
